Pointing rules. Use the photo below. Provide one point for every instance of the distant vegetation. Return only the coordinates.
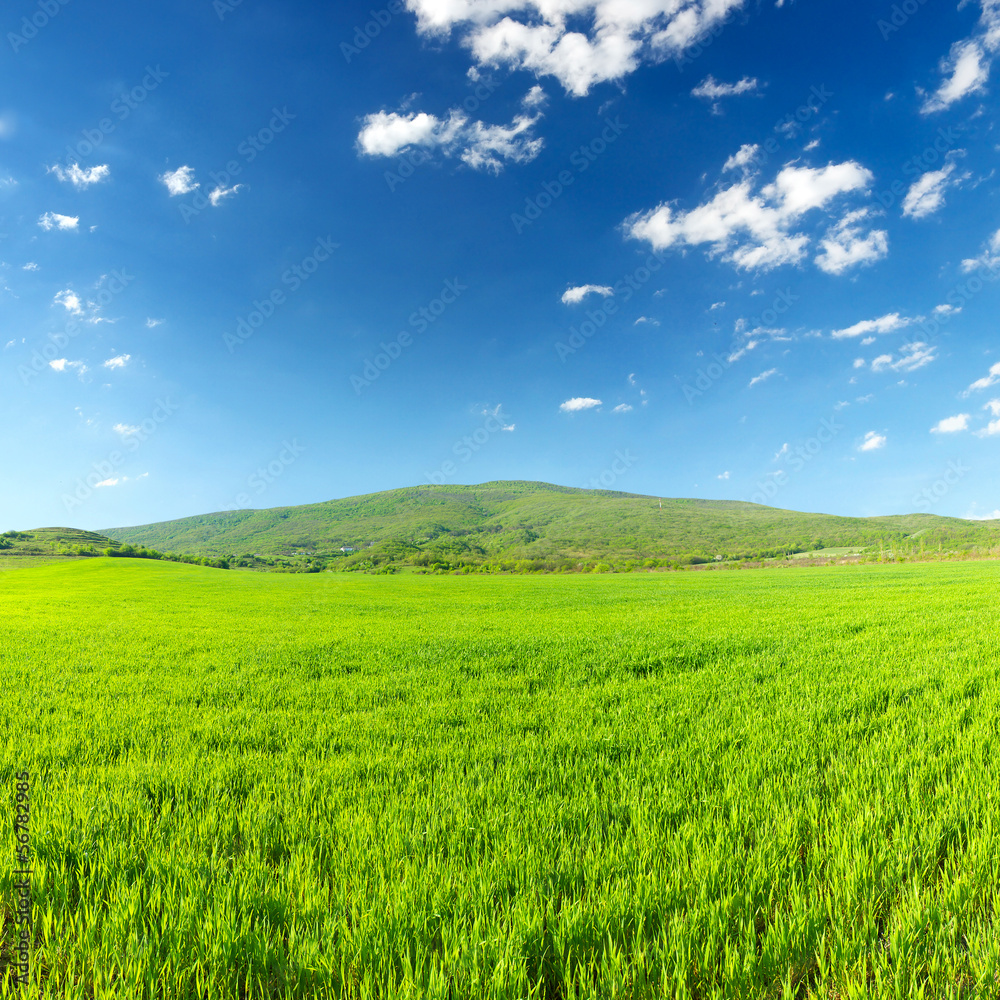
(537, 527)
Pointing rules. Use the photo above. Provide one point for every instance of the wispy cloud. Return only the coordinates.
(872, 442)
(884, 324)
(926, 193)
(986, 382)
(578, 293)
(118, 362)
(712, 89)
(762, 377)
(217, 194)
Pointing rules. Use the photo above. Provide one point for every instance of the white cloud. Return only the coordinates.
(951, 425)
(859, 362)
(723, 476)
(152, 323)
(884, 324)
(712, 89)
(781, 452)
(61, 365)
(762, 377)
(217, 194)
(126, 429)
(872, 442)
(30, 266)
(179, 181)
(106, 482)
(742, 158)
(947, 310)
(53, 220)
(993, 406)
(579, 42)
(761, 229)
(926, 194)
(969, 69)
(478, 145)
(119, 362)
(80, 177)
(846, 245)
(578, 293)
(622, 408)
(717, 305)
(579, 403)
(646, 319)
(70, 301)
(912, 356)
(988, 380)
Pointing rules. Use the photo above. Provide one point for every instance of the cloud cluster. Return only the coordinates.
(759, 227)
(911, 357)
(53, 220)
(579, 42)
(478, 145)
(81, 177)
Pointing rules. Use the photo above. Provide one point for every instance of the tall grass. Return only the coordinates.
(695, 786)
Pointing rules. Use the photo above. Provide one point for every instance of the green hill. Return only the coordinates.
(29, 548)
(541, 526)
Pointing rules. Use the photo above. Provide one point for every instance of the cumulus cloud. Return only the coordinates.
(872, 442)
(179, 181)
(53, 220)
(579, 42)
(118, 362)
(578, 293)
(578, 403)
(926, 194)
(951, 425)
(62, 365)
(884, 324)
(81, 177)
(713, 89)
(846, 245)
(762, 377)
(993, 427)
(70, 301)
(759, 228)
(478, 145)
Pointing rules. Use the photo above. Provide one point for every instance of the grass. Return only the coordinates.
(718, 785)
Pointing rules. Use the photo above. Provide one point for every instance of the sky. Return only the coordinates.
(257, 253)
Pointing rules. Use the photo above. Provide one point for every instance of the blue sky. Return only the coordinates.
(262, 253)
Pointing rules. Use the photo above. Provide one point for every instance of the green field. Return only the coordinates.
(699, 785)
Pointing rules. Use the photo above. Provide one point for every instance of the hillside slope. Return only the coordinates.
(539, 522)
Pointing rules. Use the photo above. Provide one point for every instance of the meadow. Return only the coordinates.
(774, 783)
